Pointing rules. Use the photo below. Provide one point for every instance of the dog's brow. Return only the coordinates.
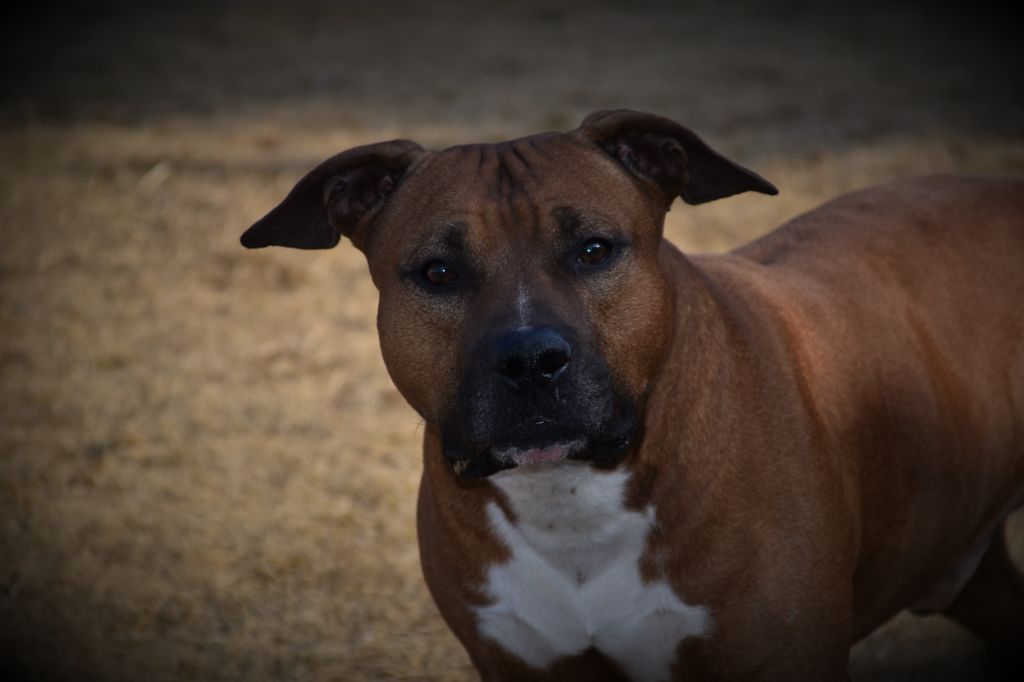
(574, 225)
(570, 222)
(453, 236)
(446, 240)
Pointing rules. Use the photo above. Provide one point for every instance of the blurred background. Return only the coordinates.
(205, 473)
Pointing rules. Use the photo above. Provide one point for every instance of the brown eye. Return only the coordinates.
(594, 251)
(439, 273)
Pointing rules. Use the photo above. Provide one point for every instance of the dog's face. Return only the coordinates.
(523, 305)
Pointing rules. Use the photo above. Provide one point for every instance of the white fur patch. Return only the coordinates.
(522, 306)
(573, 581)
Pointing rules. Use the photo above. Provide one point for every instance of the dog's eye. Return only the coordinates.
(594, 251)
(439, 273)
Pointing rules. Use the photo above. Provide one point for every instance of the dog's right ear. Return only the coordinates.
(338, 197)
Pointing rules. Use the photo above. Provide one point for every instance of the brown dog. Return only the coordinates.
(640, 465)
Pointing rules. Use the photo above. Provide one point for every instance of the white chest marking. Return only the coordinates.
(573, 580)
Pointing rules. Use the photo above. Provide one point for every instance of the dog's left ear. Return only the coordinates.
(670, 157)
(338, 197)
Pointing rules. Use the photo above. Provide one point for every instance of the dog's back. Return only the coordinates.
(900, 310)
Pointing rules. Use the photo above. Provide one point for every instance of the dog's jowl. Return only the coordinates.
(643, 465)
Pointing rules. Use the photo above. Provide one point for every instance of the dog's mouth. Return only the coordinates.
(606, 447)
(535, 456)
(524, 457)
(499, 459)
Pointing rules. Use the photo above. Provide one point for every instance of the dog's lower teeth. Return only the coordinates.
(460, 465)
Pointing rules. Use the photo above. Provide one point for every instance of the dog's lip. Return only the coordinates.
(533, 456)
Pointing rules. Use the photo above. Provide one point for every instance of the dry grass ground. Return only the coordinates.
(205, 472)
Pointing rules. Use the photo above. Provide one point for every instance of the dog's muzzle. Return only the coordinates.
(535, 396)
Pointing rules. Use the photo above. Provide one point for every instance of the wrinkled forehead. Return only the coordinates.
(519, 187)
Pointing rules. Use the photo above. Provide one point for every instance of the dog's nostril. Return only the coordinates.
(512, 367)
(551, 361)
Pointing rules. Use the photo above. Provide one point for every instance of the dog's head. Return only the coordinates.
(524, 308)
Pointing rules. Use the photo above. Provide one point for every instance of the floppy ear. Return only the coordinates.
(668, 156)
(336, 198)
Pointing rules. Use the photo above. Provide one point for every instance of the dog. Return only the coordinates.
(645, 465)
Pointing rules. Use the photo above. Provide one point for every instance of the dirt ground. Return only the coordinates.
(205, 473)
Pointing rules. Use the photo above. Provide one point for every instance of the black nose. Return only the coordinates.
(532, 358)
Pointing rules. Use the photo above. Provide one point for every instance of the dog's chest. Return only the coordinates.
(573, 580)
